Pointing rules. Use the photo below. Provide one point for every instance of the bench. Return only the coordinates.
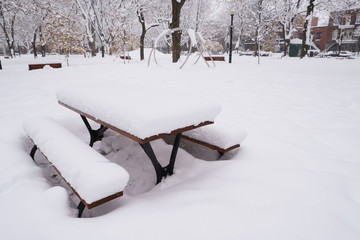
(215, 58)
(125, 57)
(144, 120)
(42, 65)
(220, 136)
(92, 178)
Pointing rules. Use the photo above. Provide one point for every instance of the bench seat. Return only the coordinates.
(90, 175)
(214, 58)
(126, 57)
(220, 136)
(36, 66)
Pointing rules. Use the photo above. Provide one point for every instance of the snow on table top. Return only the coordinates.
(87, 171)
(141, 111)
(221, 134)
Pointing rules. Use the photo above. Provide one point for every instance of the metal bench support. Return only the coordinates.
(32, 153)
(167, 170)
(95, 135)
(80, 208)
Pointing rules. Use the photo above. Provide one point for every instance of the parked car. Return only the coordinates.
(346, 54)
(252, 53)
(247, 53)
(337, 54)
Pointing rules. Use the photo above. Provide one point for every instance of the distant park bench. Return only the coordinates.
(126, 57)
(215, 58)
(42, 65)
(92, 178)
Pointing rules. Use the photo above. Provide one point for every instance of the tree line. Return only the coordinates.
(103, 27)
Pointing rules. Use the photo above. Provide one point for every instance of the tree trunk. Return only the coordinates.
(102, 47)
(176, 36)
(305, 46)
(34, 45)
(92, 47)
(12, 42)
(143, 32)
(91, 42)
(42, 42)
(9, 43)
(142, 43)
(256, 50)
(286, 41)
(340, 40)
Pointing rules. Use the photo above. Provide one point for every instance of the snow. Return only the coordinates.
(155, 110)
(201, 38)
(161, 35)
(296, 41)
(88, 172)
(192, 35)
(221, 134)
(295, 176)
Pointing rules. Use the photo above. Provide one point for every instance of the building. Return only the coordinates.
(341, 34)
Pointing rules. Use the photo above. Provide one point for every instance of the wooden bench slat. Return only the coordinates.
(36, 66)
(223, 136)
(126, 57)
(211, 146)
(215, 58)
(139, 140)
(88, 205)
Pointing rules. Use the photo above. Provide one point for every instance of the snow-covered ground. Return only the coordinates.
(296, 175)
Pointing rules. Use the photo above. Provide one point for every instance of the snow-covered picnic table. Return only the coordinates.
(143, 114)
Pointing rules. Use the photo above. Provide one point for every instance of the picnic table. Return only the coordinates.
(143, 114)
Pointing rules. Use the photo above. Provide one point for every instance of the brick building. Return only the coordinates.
(341, 34)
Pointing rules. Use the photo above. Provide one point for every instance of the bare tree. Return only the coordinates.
(39, 11)
(85, 9)
(286, 12)
(260, 11)
(141, 9)
(306, 34)
(9, 12)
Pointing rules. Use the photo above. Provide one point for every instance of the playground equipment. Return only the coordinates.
(196, 40)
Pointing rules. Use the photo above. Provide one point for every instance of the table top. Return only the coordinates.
(141, 111)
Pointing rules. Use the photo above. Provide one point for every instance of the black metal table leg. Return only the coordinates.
(170, 167)
(32, 153)
(162, 171)
(158, 168)
(95, 135)
(80, 208)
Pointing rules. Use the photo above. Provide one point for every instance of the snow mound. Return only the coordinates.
(221, 134)
(154, 112)
(88, 172)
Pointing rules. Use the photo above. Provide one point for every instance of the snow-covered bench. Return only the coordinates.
(214, 58)
(140, 114)
(36, 66)
(91, 176)
(220, 136)
(125, 57)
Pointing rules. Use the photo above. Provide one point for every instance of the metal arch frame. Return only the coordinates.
(201, 47)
